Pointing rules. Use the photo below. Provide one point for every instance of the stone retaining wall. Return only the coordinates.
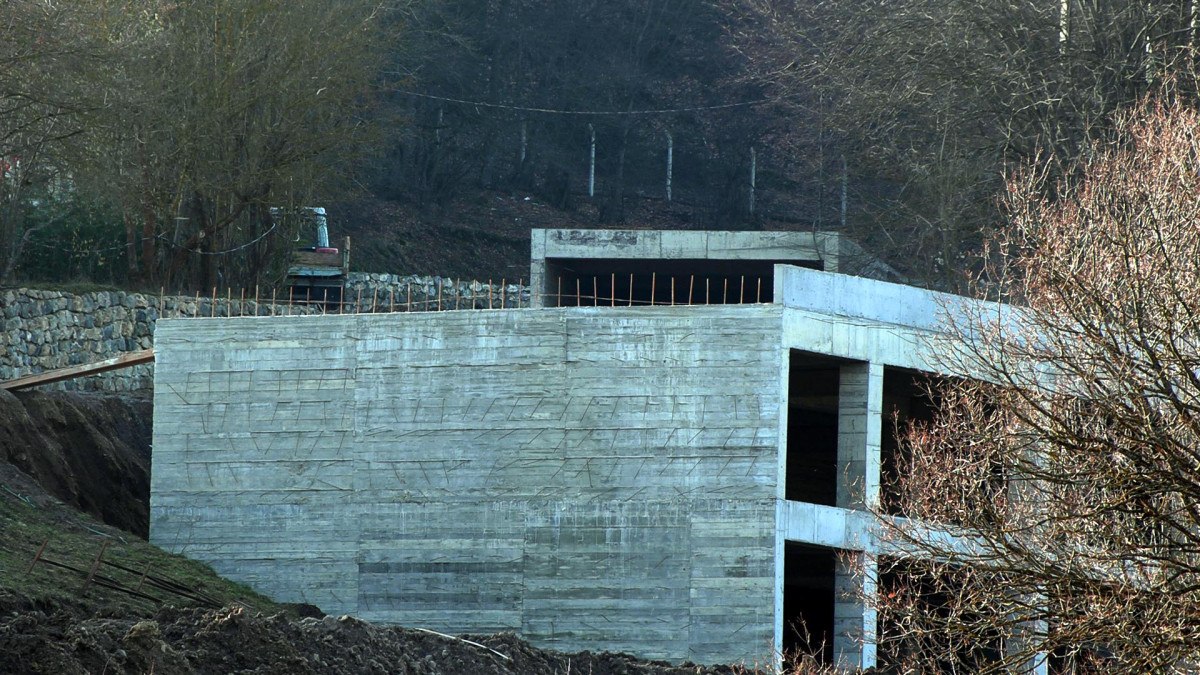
(43, 330)
(392, 292)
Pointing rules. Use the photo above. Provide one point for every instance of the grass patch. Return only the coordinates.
(75, 539)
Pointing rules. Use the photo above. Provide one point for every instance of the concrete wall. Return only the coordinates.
(43, 330)
(884, 323)
(697, 244)
(869, 327)
(590, 478)
(667, 245)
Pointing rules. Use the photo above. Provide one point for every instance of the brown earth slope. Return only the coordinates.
(234, 640)
(88, 450)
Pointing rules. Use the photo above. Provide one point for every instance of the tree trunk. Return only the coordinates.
(592, 162)
(14, 254)
(670, 162)
(753, 180)
(131, 260)
(149, 246)
(614, 206)
(149, 220)
(204, 233)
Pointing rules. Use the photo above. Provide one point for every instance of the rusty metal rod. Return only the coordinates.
(95, 564)
(37, 556)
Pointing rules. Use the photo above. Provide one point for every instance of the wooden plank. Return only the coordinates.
(125, 360)
(315, 259)
(308, 271)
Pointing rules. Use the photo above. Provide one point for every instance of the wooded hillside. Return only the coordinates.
(145, 143)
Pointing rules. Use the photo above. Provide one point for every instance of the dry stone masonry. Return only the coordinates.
(43, 330)
(369, 292)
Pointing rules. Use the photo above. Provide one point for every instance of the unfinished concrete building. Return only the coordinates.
(674, 474)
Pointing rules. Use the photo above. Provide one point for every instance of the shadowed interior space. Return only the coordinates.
(812, 439)
(909, 397)
(624, 283)
(921, 595)
(808, 593)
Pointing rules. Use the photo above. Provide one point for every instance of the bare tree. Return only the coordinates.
(45, 50)
(1069, 471)
(932, 100)
(190, 119)
(225, 108)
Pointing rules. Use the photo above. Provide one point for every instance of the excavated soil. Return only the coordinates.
(233, 640)
(91, 451)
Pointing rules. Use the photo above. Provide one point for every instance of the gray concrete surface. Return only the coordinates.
(551, 249)
(593, 478)
(600, 479)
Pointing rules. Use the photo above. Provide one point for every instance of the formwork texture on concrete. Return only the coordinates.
(591, 478)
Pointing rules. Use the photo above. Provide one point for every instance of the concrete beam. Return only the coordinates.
(126, 360)
(829, 526)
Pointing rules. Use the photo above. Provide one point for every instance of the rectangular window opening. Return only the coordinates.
(923, 625)
(808, 601)
(812, 433)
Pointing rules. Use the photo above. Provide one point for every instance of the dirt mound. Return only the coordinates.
(233, 640)
(89, 450)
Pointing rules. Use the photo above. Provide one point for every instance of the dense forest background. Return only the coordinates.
(145, 143)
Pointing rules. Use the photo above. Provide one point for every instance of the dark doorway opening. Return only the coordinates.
(909, 397)
(808, 594)
(812, 433)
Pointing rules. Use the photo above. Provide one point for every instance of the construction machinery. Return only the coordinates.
(318, 273)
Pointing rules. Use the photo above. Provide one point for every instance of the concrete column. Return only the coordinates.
(1038, 664)
(860, 412)
(538, 283)
(1027, 634)
(854, 617)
